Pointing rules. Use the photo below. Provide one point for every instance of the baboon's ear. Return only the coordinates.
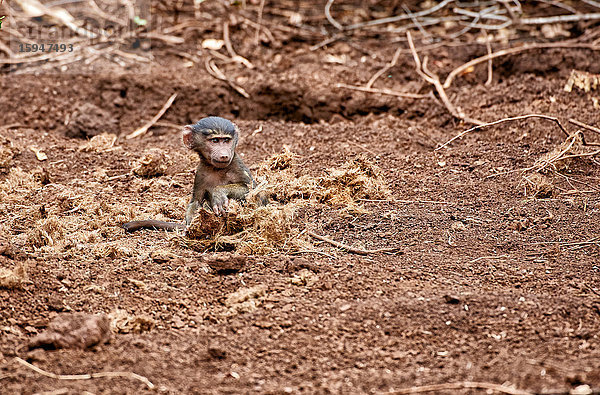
(188, 136)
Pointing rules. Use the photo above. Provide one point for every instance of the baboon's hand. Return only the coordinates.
(219, 202)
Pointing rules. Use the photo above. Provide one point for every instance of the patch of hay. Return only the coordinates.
(266, 229)
(12, 279)
(154, 163)
(47, 232)
(100, 143)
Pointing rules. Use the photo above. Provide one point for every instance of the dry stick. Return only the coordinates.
(435, 81)
(260, 17)
(214, 71)
(348, 248)
(331, 20)
(490, 70)
(327, 41)
(461, 385)
(384, 69)
(512, 51)
(399, 17)
(87, 376)
(461, 134)
(382, 91)
(585, 126)
(148, 125)
(232, 53)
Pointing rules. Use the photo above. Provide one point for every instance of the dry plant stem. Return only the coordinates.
(331, 20)
(385, 68)
(87, 376)
(511, 51)
(232, 53)
(214, 71)
(382, 91)
(397, 18)
(260, 17)
(461, 385)
(461, 134)
(490, 70)
(435, 81)
(348, 248)
(559, 19)
(585, 126)
(148, 125)
(325, 42)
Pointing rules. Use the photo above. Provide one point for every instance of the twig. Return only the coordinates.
(559, 19)
(435, 81)
(385, 68)
(148, 125)
(585, 126)
(382, 91)
(258, 24)
(87, 376)
(348, 248)
(401, 17)
(461, 385)
(461, 134)
(512, 51)
(214, 71)
(327, 41)
(331, 20)
(490, 69)
(232, 53)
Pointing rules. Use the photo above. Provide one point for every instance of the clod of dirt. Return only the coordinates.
(42, 175)
(161, 256)
(245, 300)
(225, 263)
(154, 163)
(305, 278)
(12, 279)
(78, 330)
(100, 143)
(122, 322)
(215, 351)
(451, 299)
(7, 152)
(90, 120)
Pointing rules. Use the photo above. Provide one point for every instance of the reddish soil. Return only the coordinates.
(490, 284)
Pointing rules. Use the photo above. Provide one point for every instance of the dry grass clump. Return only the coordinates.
(12, 279)
(7, 152)
(100, 143)
(560, 160)
(255, 229)
(46, 232)
(154, 163)
(561, 157)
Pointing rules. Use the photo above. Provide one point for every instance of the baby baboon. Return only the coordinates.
(221, 174)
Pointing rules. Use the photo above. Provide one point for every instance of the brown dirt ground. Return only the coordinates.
(486, 285)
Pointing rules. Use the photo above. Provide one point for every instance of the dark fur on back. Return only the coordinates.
(212, 125)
